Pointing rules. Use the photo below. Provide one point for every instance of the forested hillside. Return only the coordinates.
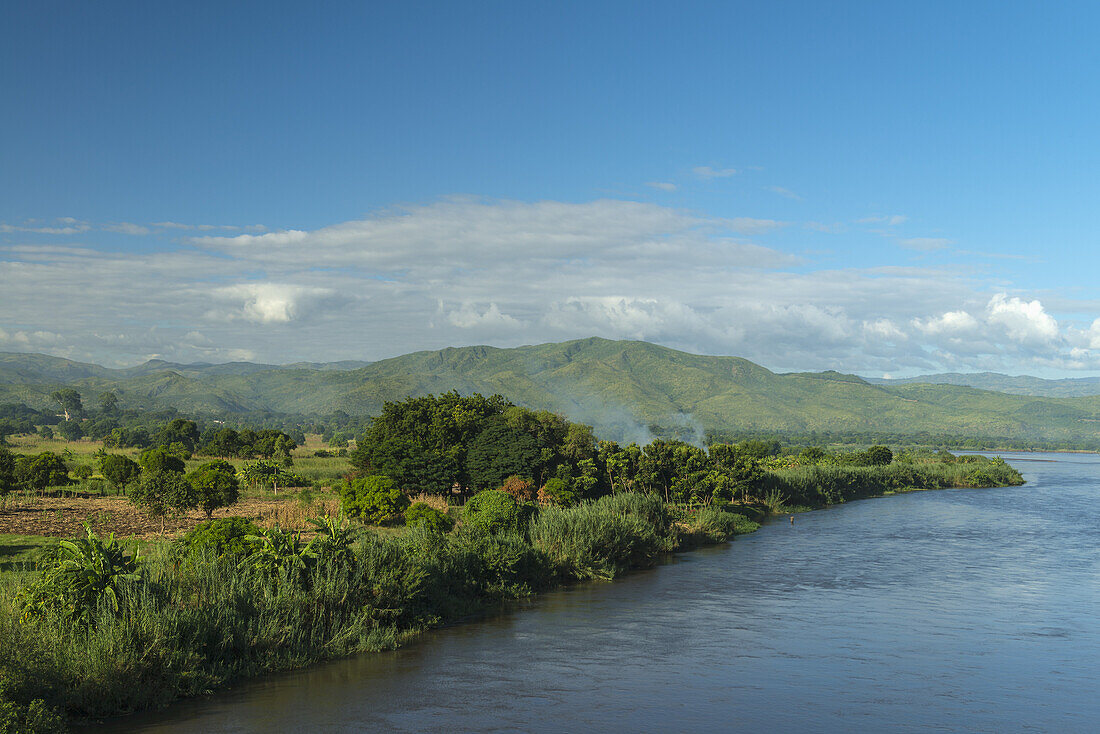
(623, 388)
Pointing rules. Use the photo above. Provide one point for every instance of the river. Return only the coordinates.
(956, 610)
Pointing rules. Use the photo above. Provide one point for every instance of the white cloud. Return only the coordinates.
(662, 185)
(269, 303)
(952, 323)
(1024, 321)
(467, 270)
(126, 228)
(708, 172)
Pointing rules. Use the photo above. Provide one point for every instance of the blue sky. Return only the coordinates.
(873, 187)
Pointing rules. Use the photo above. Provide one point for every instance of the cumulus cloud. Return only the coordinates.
(469, 316)
(126, 228)
(662, 185)
(270, 303)
(1023, 321)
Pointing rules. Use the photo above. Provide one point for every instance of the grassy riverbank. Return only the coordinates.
(188, 624)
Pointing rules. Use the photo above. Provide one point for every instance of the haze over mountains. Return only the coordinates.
(620, 387)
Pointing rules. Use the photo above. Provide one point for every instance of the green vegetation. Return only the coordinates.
(623, 388)
(545, 503)
(375, 499)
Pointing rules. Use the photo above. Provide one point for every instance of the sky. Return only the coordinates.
(878, 188)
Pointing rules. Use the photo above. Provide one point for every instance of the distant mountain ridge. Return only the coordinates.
(1068, 387)
(620, 387)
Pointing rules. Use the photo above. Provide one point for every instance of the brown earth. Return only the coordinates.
(64, 516)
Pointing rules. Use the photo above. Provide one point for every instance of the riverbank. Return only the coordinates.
(187, 628)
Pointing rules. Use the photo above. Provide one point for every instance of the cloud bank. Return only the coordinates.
(465, 270)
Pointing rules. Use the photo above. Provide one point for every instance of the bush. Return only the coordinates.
(159, 493)
(219, 538)
(493, 511)
(557, 492)
(428, 517)
(374, 499)
(21, 714)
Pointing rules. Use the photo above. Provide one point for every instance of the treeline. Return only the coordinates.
(458, 445)
(794, 441)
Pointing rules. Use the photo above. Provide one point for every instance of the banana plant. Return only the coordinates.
(85, 573)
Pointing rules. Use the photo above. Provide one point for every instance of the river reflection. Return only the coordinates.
(959, 610)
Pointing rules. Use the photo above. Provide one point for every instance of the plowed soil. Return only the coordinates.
(63, 516)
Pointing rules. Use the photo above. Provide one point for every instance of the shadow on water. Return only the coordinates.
(961, 610)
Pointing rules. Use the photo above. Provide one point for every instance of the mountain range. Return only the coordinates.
(620, 387)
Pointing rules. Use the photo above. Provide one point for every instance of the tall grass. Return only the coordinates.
(821, 485)
(186, 629)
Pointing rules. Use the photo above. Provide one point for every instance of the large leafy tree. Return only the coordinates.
(70, 402)
(422, 442)
(499, 452)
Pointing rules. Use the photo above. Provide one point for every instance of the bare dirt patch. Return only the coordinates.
(64, 516)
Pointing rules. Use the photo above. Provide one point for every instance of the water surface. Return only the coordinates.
(957, 610)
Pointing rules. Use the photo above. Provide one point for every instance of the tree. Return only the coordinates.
(162, 492)
(119, 470)
(71, 431)
(878, 456)
(108, 403)
(45, 470)
(7, 471)
(499, 452)
(161, 459)
(69, 400)
(216, 485)
(264, 472)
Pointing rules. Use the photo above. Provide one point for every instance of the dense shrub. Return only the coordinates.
(219, 538)
(374, 499)
(420, 514)
(557, 492)
(47, 469)
(493, 511)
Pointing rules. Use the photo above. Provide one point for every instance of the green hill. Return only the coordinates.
(621, 387)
